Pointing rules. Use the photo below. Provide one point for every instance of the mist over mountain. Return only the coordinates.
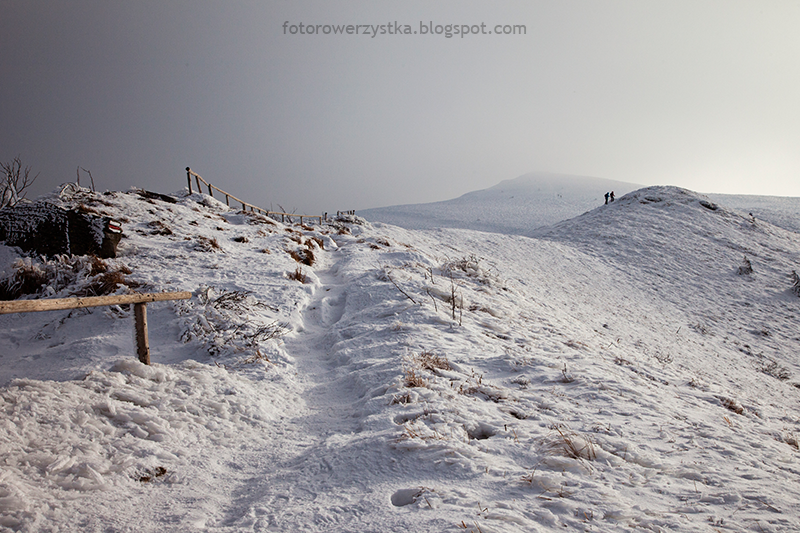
(516, 206)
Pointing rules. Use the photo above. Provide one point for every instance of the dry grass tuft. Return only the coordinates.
(159, 228)
(106, 283)
(150, 474)
(732, 405)
(298, 275)
(92, 275)
(204, 244)
(414, 379)
(319, 242)
(570, 444)
(28, 278)
(404, 399)
(304, 256)
(428, 361)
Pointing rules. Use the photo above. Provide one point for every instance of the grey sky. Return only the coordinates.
(701, 94)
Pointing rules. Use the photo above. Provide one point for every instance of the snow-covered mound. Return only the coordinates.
(621, 370)
(514, 207)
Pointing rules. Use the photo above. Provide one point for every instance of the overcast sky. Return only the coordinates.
(700, 94)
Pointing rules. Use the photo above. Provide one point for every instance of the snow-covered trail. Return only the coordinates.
(325, 470)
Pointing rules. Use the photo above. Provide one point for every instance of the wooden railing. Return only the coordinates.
(254, 208)
(139, 302)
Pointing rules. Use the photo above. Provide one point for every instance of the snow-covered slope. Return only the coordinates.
(514, 207)
(615, 372)
(777, 210)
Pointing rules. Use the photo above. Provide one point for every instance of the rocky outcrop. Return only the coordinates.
(48, 230)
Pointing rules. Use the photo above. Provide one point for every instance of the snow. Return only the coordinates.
(608, 372)
(514, 207)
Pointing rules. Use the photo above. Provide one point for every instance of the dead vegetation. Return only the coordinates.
(15, 179)
(150, 474)
(732, 405)
(88, 276)
(429, 361)
(230, 321)
(413, 378)
(570, 444)
(746, 267)
(304, 256)
(298, 275)
(159, 228)
(205, 244)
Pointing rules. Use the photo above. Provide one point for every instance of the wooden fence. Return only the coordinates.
(139, 302)
(254, 208)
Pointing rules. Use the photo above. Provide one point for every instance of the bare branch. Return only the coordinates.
(14, 180)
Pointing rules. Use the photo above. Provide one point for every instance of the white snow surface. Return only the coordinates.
(514, 207)
(613, 372)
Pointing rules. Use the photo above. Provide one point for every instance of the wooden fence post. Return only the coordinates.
(142, 342)
(189, 178)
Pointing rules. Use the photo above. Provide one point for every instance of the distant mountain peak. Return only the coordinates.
(514, 206)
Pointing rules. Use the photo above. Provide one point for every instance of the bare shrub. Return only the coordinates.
(796, 283)
(14, 181)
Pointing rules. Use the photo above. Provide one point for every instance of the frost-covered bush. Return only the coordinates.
(229, 321)
(745, 268)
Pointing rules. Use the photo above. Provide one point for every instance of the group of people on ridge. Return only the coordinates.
(610, 196)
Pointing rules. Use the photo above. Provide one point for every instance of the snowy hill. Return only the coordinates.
(514, 207)
(614, 372)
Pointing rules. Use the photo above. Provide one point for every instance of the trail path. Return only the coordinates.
(327, 472)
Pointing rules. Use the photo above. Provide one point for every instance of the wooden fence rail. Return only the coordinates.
(139, 302)
(254, 208)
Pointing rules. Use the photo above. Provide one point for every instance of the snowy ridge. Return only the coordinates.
(516, 206)
(614, 372)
